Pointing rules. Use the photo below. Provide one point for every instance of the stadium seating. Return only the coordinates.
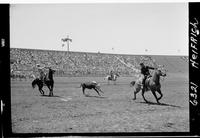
(77, 63)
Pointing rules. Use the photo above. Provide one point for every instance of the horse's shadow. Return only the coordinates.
(162, 104)
(50, 96)
(95, 96)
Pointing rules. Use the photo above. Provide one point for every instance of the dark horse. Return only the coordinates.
(152, 83)
(48, 81)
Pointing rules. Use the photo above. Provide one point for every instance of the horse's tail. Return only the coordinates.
(34, 83)
(132, 83)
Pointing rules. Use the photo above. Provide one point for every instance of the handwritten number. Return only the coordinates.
(194, 102)
(194, 95)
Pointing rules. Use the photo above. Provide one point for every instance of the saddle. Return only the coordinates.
(46, 77)
(147, 82)
(149, 76)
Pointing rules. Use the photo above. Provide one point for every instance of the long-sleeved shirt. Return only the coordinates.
(145, 70)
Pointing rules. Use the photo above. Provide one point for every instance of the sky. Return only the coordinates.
(119, 28)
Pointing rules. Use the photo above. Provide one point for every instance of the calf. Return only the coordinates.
(91, 85)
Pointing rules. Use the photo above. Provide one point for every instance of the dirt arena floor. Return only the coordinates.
(69, 111)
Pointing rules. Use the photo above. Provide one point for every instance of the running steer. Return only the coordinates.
(91, 85)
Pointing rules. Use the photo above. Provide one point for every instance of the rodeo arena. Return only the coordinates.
(81, 92)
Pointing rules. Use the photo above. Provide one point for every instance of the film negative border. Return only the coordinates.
(4, 69)
(194, 43)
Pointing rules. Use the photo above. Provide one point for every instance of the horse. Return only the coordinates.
(91, 85)
(48, 81)
(114, 78)
(152, 84)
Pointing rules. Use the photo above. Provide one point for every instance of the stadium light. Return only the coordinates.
(67, 40)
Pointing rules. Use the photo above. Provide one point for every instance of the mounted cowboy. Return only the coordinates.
(145, 72)
(45, 79)
(111, 74)
(42, 71)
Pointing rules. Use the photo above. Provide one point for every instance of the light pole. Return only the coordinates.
(67, 40)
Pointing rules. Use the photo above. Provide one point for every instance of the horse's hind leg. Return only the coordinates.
(41, 91)
(100, 90)
(161, 95)
(143, 91)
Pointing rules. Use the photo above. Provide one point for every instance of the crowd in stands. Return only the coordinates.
(76, 63)
(185, 58)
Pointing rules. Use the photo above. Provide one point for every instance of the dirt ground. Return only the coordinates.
(70, 111)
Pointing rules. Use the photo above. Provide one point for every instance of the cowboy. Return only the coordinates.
(145, 71)
(41, 72)
(111, 74)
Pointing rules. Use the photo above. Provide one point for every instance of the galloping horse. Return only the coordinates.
(152, 83)
(114, 78)
(48, 81)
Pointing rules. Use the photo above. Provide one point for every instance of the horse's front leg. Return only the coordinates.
(42, 92)
(161, 95)
(97, 91)
(50, 93)
(52, 90)
(154, 93)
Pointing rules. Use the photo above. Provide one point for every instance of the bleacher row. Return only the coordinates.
(24, 61)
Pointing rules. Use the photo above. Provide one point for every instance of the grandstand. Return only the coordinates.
(90, 64)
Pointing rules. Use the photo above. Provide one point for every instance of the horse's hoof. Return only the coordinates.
(159, 98)
(146, 101)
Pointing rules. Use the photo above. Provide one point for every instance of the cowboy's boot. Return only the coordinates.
(145, 88)
(42, 79)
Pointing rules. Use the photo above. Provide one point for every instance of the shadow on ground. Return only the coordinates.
(95, 96)
(51, 96)
(162, 104)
